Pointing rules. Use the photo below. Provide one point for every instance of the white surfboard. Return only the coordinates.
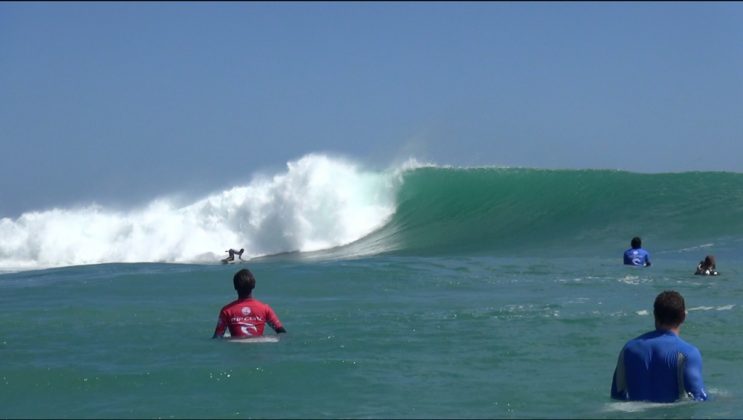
(262, 339)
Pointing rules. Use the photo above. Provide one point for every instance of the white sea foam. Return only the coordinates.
(695, 248)
(319, 202)
(641, 406)
(712, 308)
(634, 280)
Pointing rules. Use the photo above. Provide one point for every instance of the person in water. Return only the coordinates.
(246, 317)
(636, 255)
(707, 267)
(232, 253)
(659, 366)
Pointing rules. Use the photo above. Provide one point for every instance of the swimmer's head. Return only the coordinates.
(669, 309)
(709, 262)
(636, 242)
(244, 282)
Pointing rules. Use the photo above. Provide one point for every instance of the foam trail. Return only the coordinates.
(318, 203)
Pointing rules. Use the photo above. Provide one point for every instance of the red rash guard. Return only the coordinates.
(246, 318)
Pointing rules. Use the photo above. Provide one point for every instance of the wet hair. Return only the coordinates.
(709, 262)
(669, 308)
(244, 282)
(636, 242)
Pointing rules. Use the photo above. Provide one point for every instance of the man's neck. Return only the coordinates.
(676, 330)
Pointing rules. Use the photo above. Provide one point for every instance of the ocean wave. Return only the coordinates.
(331, 207)
(318, 203)
(712, 308)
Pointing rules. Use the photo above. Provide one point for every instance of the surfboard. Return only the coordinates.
(262, 339)
(235, 261)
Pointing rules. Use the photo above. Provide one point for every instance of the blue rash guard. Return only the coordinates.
(636, 256)
(659, 367)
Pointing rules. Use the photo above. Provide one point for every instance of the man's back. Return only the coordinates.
(658, 366)
(246, 318)
(636, 256)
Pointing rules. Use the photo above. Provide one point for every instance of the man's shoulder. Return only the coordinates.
(663, 339)
(261, 303)
(252, 302)
(234, 303)
(644, 339)
(689, 349)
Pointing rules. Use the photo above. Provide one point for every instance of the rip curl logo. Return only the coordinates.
(249, 329)
(246, 311)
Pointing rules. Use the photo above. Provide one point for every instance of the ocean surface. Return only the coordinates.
(417, 292)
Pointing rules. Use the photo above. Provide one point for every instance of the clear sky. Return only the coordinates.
(120, 102)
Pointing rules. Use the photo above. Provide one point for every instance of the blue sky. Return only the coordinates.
(120, 102)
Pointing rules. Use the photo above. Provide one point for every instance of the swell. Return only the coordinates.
(557, 212)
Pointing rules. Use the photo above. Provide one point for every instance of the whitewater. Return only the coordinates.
(318, 203)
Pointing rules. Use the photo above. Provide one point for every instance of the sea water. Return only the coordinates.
(483, 293)
(402, 337)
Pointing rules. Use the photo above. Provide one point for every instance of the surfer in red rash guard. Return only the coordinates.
(246, 317)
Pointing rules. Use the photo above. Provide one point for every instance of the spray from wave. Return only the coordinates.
(318, 203)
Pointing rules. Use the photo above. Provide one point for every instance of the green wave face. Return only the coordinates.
(557, 212)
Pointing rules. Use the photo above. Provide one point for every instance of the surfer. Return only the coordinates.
(232, 253)
(246, 317)
(636, 255)
(707, 267)
(659, 366)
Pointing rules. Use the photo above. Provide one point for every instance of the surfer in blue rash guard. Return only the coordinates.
(659, 366)
(636, 255)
